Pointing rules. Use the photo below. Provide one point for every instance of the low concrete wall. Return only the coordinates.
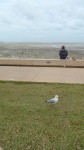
(42, 62)
(15, 62)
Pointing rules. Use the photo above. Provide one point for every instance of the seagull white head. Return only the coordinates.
(56, 96)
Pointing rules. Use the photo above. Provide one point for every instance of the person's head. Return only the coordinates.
(63, 47)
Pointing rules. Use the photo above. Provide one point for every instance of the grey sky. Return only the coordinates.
(42, 21)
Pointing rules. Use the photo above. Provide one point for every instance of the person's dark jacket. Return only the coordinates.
(63, 53)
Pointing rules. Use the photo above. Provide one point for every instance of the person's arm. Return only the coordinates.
(59, 52)
(67, 53)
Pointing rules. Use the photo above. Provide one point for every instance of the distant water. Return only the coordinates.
(40, 50)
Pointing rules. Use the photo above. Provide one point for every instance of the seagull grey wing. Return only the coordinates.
(51, 101)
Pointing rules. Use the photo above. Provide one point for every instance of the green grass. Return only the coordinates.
(28, 123)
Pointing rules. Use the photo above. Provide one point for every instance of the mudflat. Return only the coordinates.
(40, 50)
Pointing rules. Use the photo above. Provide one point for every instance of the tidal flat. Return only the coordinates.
(40, 50)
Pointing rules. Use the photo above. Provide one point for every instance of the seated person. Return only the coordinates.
(63, 53)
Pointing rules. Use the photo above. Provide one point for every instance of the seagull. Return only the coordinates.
(53, 100)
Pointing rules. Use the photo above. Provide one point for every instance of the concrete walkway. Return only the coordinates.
(42, 74)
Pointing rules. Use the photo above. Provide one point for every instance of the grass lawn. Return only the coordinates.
(27, 122)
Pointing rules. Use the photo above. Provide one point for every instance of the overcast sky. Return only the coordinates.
(42, 20)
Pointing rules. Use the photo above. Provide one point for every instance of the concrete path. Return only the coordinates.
(42, 74)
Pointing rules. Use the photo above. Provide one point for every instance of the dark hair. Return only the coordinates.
(63, 47)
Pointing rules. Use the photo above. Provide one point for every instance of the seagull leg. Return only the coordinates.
(52, 106)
